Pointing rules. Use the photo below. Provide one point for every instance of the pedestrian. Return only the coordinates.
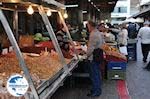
(132, 30)
(123, 35)
(96, 40)
(144, 34)
(123, 38)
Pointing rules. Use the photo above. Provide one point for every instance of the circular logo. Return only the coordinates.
(17, 85)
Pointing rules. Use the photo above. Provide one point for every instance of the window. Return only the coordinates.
(120, 10)
(115, 10)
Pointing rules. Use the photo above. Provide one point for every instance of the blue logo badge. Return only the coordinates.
(17, 85)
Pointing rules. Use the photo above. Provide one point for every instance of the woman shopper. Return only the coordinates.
(96, 40)
(123, 38)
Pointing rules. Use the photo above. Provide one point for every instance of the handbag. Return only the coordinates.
(98, 55)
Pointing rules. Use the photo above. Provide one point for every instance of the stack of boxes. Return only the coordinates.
(116, 70)
(132, 52)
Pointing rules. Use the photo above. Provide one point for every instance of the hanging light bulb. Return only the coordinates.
(65, 15)
(30, 10)
(106, 21)
(49, 13)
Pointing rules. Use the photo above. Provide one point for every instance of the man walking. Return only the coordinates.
(95, 41)
(144, 34)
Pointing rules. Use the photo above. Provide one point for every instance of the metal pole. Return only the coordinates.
(53, 37)
(9, 9)
(18, 52)
(68, 33)
(16, 25)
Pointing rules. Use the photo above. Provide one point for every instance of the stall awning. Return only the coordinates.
(143, 13)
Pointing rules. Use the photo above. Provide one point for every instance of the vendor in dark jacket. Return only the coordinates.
(64, 42)
(96, 40)
(63, 39)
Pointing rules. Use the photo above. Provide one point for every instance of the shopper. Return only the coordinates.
(123, 35)
(144, 34)
(95, 41)
(132, 31)
(123, 38)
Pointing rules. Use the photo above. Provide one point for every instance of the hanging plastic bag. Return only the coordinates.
(123, 50)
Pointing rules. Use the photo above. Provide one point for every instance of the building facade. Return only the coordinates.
(123, 10)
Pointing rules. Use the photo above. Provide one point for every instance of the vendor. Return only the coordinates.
(63, 39)
(95, 41)
(64, 42)
(108, 36)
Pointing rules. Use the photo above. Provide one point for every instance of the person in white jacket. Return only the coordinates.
(144, 34)
(123, 35)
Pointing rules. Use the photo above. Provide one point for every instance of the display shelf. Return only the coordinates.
(48, 82)
(48, 86)
(44, 87)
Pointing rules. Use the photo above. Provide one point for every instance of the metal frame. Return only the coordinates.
(52, 35)
(53, 2)
(18, 52)
(15, 25)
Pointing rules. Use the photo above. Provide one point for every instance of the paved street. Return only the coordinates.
(138, 81)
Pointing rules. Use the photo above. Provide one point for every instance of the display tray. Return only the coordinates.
(44, 69)
(70, 65)
(47, 83)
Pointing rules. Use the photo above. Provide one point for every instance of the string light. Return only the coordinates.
(30, 10)
(65, 15)
(49, 13)
(106, 21)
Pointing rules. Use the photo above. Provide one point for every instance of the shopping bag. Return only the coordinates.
(123, 50)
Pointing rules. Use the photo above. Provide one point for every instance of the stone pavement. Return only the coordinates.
(138, 79)
(138, 83)
(80, 91)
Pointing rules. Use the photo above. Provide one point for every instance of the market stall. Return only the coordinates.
(46, 71)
